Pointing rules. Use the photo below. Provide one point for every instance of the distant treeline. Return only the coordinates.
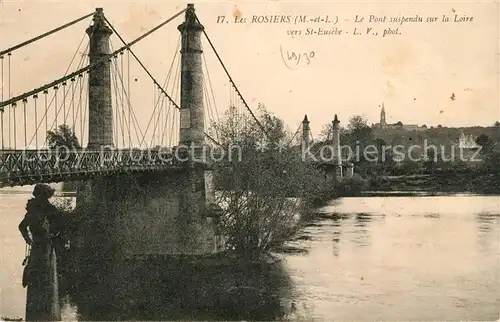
(443, 136)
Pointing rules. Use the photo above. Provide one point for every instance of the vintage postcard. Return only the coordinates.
(249, 160)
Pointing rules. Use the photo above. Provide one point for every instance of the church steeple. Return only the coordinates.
(382, 116)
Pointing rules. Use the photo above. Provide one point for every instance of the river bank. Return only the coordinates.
(439, 183)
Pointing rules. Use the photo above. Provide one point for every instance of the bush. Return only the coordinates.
(349, 187)
(259, 193)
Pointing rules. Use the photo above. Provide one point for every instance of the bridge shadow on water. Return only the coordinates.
(217, 287)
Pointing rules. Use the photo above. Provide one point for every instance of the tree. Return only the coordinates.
(357, 122)
(62, 137)
(431, 158)
(491, 158)
(255, 186)
(325, 134)
(484, 141)
(381, 148)
(359, 129)
(497, 124)
(275, 127)
(385, 153)
(490, 153)
(359, 135)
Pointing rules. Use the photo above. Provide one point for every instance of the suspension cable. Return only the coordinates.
(65, 93)
(14, 107)
(81, 106)
(122, 101)
(115, 117)
(45, 93)
(90, 66)
(210, 114)
(132, 116)
(118, 98)
(142, 65)
(166, 85)
(131, 113)
(55, 104)
(54, 97)
(1, 109)
(48, 33)
(293, 137)
(158, 118)
(151, 76)
(129, 99)
(213, 140)
(176, 92)
(85, 113)
(35, 97)
(231, 79)
(25, 101)
(73, 105)
(9, 94)
(211, 88)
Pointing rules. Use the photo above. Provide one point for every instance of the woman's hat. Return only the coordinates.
(43, 190)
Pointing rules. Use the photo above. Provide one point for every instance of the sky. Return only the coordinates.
(430, 73)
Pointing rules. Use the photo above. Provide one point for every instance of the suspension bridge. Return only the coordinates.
(149, 184)
(91, 101)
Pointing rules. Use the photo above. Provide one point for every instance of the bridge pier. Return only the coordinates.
(159, 215)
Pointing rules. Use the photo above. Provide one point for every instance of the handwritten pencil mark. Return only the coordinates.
(293, 60)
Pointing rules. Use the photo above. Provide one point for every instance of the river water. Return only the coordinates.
(372, 258)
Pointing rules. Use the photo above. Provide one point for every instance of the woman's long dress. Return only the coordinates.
(42, 301)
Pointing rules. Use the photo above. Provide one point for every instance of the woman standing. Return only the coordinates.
(44, 224)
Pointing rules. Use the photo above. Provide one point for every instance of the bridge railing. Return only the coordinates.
(40, 165)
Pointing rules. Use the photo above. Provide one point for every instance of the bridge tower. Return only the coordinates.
(100, 113)
(100, 108)
(305, 135)
(337, 159)
(192, 127)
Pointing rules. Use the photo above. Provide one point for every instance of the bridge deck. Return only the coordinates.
(25, 167)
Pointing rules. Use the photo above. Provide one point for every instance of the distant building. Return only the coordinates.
(399, 125)
(467, 148)
(467, 142)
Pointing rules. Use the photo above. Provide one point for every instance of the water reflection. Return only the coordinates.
(486, 221)
(488, 226)
(362, 219)
(186, 288)
(378, 258)
(404, 258)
